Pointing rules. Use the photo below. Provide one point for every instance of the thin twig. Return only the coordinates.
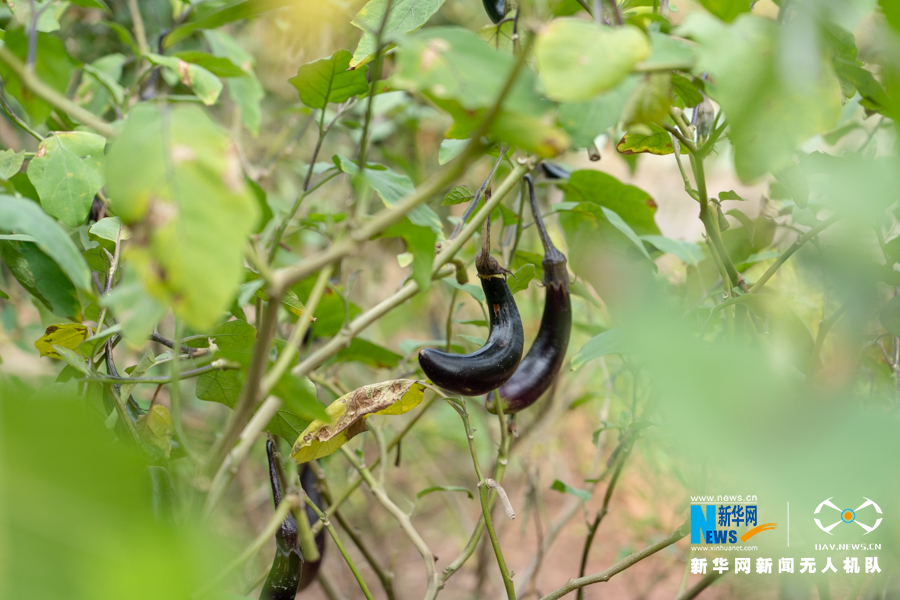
(460, 407)
(52, 97)
(625, 563)
(217, 365)
(699, 586)
(790, 251)
(432, 581)
(337, 542)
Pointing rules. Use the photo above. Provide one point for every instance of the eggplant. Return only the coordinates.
(540, 366)
(493, 364)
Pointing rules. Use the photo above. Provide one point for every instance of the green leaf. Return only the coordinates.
(620, 224)
(47, 17)
(236, 10)
(67, 171)
(463, 75)
(890, 316)
(689, 252)
(470, 288)
(445, 488)
(657, 141)
(102, 89)
(247, 92)
(450, 149)
(10, 162)
(287, 425)
(668, 53)
(91, 4)
(686, 90)
(234, 340)
(584, 121)
(650, 100)
(521, 278)
(53, 66)
(368, 353)
(577, 59)
(612, 341)
(136, 310)
(205, 85)
(631, 203)
(776, 93)
(393, 187)
(731, 195)
(217, 65)
(148, 360)
(26, 217)
(727, 10)
(457, 195)
(89, 346)
(565, 488)
(329, 80)
(420, 243)
(73, 359)
(405, 16)
(124, 35)
(179, 178)
(299, 397)
(41, 277)
(348, 414)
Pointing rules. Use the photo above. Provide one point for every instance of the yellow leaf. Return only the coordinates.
(348, 416)
(67, 335)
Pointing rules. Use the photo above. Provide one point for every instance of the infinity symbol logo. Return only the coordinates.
(848, 516)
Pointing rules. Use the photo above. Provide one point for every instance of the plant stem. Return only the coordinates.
(460, 407)
(622, 455)
(14, 117)
(699, 586)
(790, 251)
(337, 542)
(52, 97)
(140, 34)
(217, 365)
(628, 561)
(403, 519)
(270, 407)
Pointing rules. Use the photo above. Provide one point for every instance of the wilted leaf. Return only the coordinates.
(65, 335)
(348, 416)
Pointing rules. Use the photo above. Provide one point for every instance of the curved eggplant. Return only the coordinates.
(539, 367)
(495, 9)
(490, 366)
(284, 577)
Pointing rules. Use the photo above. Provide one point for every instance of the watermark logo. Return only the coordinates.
(725, 523)
(848, 515)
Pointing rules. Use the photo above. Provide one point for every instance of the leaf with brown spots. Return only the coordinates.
(349, 413)
(66, 335)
